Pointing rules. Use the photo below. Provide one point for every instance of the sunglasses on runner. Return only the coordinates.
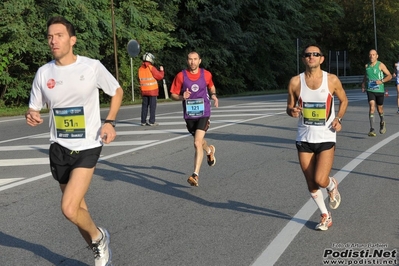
(315, 54)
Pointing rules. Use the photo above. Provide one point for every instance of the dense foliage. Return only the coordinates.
(248, 45)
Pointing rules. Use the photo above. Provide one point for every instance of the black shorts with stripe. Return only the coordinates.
(202, 123)
(63, 161)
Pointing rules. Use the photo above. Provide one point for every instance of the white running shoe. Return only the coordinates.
(102, 252)
(335, 197)
(325, 222)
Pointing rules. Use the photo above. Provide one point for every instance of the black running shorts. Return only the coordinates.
(63, 161)
(378, 97)
(200, 123)
(315, 148)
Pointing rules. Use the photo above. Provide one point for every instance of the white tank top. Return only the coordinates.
(314, 125)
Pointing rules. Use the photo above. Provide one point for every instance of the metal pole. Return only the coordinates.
(165, 89)
(375, 27)
(115, 49)
(337, 58)
(297, 55)
(131, 69)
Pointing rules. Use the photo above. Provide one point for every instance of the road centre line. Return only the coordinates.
(277, 247)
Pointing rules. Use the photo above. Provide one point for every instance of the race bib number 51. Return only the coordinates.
(70, 122)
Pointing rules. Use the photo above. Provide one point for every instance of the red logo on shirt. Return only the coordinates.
(51, 84)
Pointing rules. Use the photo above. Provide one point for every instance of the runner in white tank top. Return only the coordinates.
(311, 100)
(314, 126)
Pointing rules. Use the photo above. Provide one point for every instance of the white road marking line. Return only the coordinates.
(277, 247)
(46, 146)
(239, 112)
(4, 181)
(18, 162)
(138, 124)
(26, 137)
(25, 181)
(144, 132)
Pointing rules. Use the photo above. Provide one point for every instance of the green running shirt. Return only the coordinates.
(373, 74)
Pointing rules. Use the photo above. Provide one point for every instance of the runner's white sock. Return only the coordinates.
(318, 199)
(99, 238)
(331, 185)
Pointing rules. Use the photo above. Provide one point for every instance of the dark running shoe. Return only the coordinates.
(383, 128)
(193, 180)
(211, 156)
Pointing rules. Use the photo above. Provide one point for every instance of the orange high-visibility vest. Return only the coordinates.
(148, 84)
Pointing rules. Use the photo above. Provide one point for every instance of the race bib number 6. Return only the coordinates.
(314, 113)
(70, 122)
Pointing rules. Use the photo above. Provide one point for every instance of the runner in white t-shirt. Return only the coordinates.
(69, 85)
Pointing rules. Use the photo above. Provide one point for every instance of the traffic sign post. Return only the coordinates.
(133, 49)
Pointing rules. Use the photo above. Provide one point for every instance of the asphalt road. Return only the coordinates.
(251, 208)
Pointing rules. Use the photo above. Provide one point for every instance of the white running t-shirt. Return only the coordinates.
(72, 95)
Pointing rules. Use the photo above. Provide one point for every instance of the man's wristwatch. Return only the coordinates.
(339, 119)
(112, 122)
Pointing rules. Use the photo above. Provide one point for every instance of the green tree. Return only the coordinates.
(23, 47)
(149, 23)
(246, 44)
(355, 32)
(18, 29)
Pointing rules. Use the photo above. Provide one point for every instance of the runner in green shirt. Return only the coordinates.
(373, 84)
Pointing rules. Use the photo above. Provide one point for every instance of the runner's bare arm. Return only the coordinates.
(293, 93)
(336, 86)
(388, 74)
